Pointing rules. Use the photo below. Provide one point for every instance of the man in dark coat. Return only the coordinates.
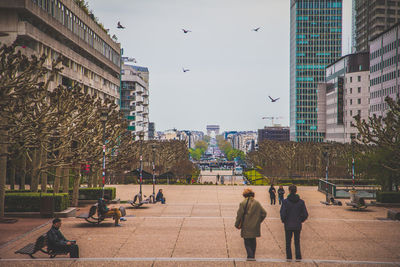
(272, 194)
(57, 242)
(160, 197)
(293, 214)
(249, 218)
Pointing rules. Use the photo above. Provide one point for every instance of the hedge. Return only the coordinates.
(388, 197)
(84, 193)
(21, 202)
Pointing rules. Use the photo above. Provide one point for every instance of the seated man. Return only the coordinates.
(58, 243)
(106, 212)
(160, 197)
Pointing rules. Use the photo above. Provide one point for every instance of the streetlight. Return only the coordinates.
(326, 156)
(141, 134)
(103, 119)
(153, 147)
(352, 136)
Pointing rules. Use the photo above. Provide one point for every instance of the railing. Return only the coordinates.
(327, 187)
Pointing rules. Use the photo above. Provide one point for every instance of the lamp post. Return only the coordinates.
(326, 156)
(352, 158)
(103, 119)
(141, 134)
(153, 147)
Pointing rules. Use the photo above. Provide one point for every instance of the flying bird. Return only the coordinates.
(256, 29)
(119, 26)
(273, 100)
(185, 70)
(186, 31)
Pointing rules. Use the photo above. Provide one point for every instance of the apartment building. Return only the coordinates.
(61, 28)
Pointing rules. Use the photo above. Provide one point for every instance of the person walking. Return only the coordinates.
(293, 214)
(272, 194)
(249, 217)
(58, 243)
(281, 194)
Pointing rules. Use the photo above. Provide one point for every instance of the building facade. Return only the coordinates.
(57, 28)
(385, 69)
(372, 17)
(315, 42)
(345, 95)
(135, 99)
(274, 133)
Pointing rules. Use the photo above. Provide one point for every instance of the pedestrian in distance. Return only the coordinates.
(293, 214)
(58, 243)
(272, 194)
(249, 218)
(160, 197)
(281, 194)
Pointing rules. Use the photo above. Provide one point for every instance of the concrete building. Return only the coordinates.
(244, 140)
(274, 133)
(152, 131)
(372, 17)
(385, 69)
(315, 42)
(344, 95)
(135, 99)
(61, 28)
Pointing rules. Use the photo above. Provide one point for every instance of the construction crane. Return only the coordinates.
(272, 119)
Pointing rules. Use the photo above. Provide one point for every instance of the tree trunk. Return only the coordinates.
(3, 168)
(23, 172)
(57, 179)
(12, 174)
(35, 170)
(75, 190)
(65, 180)
(43, 161)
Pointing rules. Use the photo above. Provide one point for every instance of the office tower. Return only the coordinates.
(315, 42)
(372, 18)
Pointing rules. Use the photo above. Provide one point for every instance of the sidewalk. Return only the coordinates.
(195, 228)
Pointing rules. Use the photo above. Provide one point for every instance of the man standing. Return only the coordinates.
(249, 217)
(293, 214)
(272, 194)
(57, 242)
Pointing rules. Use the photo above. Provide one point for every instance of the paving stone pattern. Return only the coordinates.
(196, 228)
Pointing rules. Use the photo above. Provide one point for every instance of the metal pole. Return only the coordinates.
(104, 157)
(154, 173)
(352, 162)
(141, 167)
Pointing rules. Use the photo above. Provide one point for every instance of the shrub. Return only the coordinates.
(22, 202)
(84, 193)
(388, 197)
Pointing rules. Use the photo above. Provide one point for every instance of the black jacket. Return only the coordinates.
(159, 196)
(55, 238)
(293, 212)
(272, 191)
(281, 192)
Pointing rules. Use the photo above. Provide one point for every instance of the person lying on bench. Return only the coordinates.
(58, 243)
(160, 197)
(106, 212)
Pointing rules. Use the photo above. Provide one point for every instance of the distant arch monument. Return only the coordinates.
(212, 128)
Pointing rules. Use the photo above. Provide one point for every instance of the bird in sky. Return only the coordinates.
(273, 100)
(185, 70)
(119, 26)
(256, 29)
(186, 31)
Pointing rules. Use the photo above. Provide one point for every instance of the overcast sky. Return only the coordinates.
(232, 68)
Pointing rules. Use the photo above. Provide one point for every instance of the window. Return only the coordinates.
(351, 101)
(351, 79)
(359, 101)
(351, 90)
(359, 112)
(359, 89)
(351, 113)
(359, 78)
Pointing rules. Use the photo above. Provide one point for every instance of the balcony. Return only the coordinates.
(139, 109)
(139, 98)
(132, 107)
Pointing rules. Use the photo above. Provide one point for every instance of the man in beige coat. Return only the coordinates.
(249, 217)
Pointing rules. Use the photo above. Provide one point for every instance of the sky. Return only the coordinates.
(233, 69)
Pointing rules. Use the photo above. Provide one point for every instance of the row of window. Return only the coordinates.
(318, 4)
(60, 12)
(384, 92)
(351, 90)
(385, 63)
(385, 77)
(319, 12)
(383, 50)
(379, 107)
(324, 41)
(322, 45)
(351, 102)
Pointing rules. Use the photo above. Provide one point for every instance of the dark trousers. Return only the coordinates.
(273, 199)
(250, 244)
(73, 250)
(288, 235)
(280, 200)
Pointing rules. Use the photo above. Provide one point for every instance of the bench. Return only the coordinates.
(92, 218)
(358, 203)
(39, 245)
(137, 200)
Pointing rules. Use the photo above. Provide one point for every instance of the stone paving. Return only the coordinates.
(195, 228)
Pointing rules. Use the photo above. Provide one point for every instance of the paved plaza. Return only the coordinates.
(196, 228)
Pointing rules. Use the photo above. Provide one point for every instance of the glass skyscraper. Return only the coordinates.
(315, 42)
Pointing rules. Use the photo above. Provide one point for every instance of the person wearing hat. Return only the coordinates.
(249, 217)
(57, 242)
(105, 211)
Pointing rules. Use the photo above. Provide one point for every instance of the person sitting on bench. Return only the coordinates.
(160, 197)
(106, 212)
(58, 243)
